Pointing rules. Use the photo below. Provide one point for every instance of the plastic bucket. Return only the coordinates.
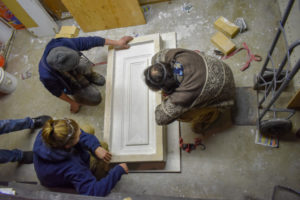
(8, 83)
(2, 61)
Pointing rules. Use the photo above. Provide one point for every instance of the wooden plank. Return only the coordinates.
(56, 7)
(144, 2)
(223, 43)
(129, 124)
(46, 25)
(226, 27)
(20, 13)
(94, 15)
(295, 101)
(143, 166)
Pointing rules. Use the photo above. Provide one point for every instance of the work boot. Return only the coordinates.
(96, 78)
(27, 157)
(39, 121)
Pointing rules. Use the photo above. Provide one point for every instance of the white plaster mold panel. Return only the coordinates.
(129, 124)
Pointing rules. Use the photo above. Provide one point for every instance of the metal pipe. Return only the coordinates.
(282, 87)
(282, 64)
(282, 22)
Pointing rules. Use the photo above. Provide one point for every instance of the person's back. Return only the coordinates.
(189, 81)
(62, 159)
(52, 165)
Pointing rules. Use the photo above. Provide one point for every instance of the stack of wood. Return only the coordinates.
(225, 29)
(68, 32)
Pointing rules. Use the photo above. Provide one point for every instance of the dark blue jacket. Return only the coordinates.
(50, 78)
(60, 168)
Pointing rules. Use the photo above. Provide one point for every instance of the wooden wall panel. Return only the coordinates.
(20, 13)
(94, 15)
(46, 25)
(144, 2)
(295, 102)
(55, 7)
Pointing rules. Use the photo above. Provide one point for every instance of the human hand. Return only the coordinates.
(101, 153)
(123, 42)
(125, 167)
(74, 108)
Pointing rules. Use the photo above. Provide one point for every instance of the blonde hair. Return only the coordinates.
(58, 133)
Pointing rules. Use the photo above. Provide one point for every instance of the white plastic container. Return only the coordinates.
(8, 83)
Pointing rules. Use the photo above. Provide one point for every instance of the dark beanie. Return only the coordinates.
(63, 58)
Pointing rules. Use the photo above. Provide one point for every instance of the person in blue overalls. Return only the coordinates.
(67, 156)
(65, 71)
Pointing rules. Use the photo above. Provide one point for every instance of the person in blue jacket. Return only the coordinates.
(62, 158)
(64, 70)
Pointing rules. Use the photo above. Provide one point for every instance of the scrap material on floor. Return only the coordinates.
(68, 32)
(250, 57)
(265, 140)
(240, 22)
(225, 26)
(223, 43)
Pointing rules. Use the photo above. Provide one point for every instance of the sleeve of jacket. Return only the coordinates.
(167, 112)
(53, 87)
(86, 43)
(85, 182)
(89, 141)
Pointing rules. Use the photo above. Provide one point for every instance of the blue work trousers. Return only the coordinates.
(10, 125)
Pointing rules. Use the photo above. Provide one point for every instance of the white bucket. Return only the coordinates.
(8, 82)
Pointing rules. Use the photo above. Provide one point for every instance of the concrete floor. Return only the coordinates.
(232, 166)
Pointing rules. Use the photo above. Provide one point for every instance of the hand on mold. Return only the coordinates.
(101, 153)
(123, 42)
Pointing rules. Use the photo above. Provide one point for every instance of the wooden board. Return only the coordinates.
(295, 102)
(129, 124)
(94, 15)
(55, 7)
(46, 25)
(223, 43)
(20, 13)
(144, 2)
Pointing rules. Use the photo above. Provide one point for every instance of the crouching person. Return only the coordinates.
(196, 87)
(67, 156)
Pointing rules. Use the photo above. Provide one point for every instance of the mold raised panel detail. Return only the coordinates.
(129, 125)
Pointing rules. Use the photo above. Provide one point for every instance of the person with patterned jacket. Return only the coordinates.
(194, 86)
